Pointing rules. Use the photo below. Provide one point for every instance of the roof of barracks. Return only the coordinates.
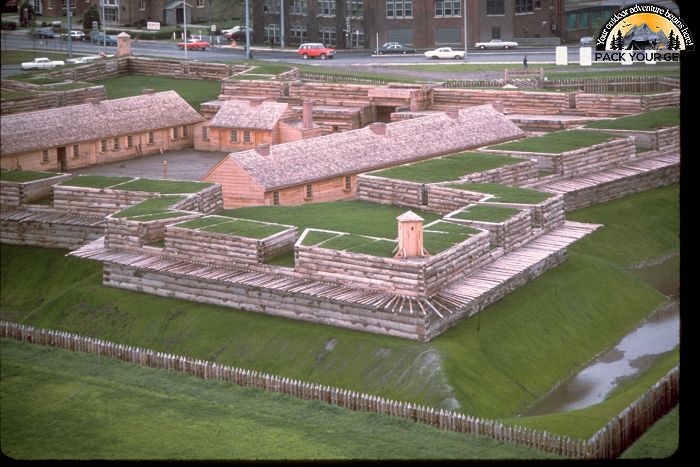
(60, 126)
(251, 114)
(365, 149)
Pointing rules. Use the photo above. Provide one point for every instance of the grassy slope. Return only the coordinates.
(660, 441)
(62, 405)
(556, 142)
(480, 364)
(194, 91)
(647, 121)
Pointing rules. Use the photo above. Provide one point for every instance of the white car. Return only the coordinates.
(84, 60)
(496, 44)
(445, 52)
(42, 63)
(76, 36)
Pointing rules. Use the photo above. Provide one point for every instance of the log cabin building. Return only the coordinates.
(325, 168)
(98, 132)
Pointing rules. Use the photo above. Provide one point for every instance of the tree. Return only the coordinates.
(26, 19)
(89, 15)
(618, 40)
(671, 40)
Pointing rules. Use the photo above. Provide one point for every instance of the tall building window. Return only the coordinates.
(185, 132)
(354, 8)
(495, 7)
(357, 39)
(45, 156)
(298, 33)
(347, 183)
(298, 7)
(524, 6)
(448, 8)
(495, 32)
(271, 6)
(173, 133)
(276, 198)
(399, 9)
(49, 5)
(272, 32)
(151, 138)
(205, 133)
(142, 4)
(76, 151)
(103, 145)
(309, 191)
(234, 136)
(326, 7)
(246, 136)
(129, 141)
(116, 143)
(327, 36)
(200, 3)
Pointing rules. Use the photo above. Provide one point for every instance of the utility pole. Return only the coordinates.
(466, 37)
(247, 31)
(184, 20)
(211, 36)
(282, 23)
(70, 27)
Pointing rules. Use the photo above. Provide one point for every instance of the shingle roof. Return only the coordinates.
(60, 126)
(363, 150)
(249, 114)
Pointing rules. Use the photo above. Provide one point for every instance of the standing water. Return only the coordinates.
(633, 354)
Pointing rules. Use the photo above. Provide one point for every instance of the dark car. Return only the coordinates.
(99, 38)
(395, 48)
(44, 33)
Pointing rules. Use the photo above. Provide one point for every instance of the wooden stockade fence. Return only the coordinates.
(609, 442)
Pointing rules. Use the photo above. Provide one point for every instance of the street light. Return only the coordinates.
(466, 37)
(247, 31)
(184, 20)
(70, 27)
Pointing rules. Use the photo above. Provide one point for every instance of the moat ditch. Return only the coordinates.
(632, 355)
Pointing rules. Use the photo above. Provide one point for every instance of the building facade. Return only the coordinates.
(361, 24)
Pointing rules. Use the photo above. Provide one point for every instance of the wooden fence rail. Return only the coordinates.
(609, 442)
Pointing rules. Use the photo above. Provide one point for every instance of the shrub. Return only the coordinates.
(9, 26)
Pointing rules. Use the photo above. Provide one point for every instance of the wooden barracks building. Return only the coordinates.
(348, 24)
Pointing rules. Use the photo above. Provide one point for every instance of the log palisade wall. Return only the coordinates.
(95, 201)
(13, 194)
(49, 228)
(129, 234)
(508, 235)
(608, 443)
(546, 215)
(518, 174)
(49, 99)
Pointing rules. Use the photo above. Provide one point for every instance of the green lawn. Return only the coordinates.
(158, 206)
(647, 121)
(194, 91)
(660, 441)
(58, 404)
(447, 168)
(556, 142)
(356, 217)
(15, 57)
(505, 194)
(562, 319)
(95, 181)
(164, 186)
(244, 228)
(485, 213)
(22, 176)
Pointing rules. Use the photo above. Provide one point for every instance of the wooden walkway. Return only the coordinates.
(52, 217)
(591, 180)
(453, 299)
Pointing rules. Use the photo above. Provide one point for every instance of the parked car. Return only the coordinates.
(44, 33)
(586, 41)
(315, 50)
(445, 52)
(42, 63)
(496, 44)
(75, 36)
(194, 44)
(99, 38)
(236, 33)
(83, 60)
(394, 48)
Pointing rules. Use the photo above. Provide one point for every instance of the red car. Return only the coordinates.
(313, 50)
(194, 44)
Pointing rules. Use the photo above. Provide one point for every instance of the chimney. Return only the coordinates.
(255, 101)
(378, 128)
(452, 113)
(263, 149)
(307, 108)
(410, 236)
(148, 92)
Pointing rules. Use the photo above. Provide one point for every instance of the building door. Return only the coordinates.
(61, 156)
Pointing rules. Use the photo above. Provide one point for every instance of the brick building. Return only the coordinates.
(347, 24)
(98, 132)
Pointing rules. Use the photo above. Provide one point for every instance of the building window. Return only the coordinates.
(354, 8)
(271, 6)
(495, 32)
(200, 3)
(49, 5)
(76, 151)
(272, 33)
(129, 141)
(298, 34)
(326, 7)
(142, 4)
(327, 36)
(399, 9)
(205, 133)
(309, 191)
(116, 143)
(495, 7)
(185, 132)
(246, 136)
(173, 133)
(111, 15)
(298, 7)
(448, 8)
(276, 198)
(72, 4)
(524, 6)
(151, 138)
(103, 145)
(538, 4)
(45, 156)
(357, 39)
(234, 136)
(347, 185)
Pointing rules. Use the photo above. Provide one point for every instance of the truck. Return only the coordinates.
(42, 63)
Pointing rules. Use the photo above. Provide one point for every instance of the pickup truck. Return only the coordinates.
(42, 63)
(194, 44)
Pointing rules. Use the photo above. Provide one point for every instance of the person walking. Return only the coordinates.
(525, 62)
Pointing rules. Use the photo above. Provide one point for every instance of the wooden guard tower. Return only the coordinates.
(410, 236)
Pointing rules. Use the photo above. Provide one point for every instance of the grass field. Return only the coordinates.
(660, 441)
(486, 213)
(647, 121)
(22, 176)
(505, 194)
(194, 91)
(447, 168)
(95, 181)
(556, 142)
(62, 405)
(15, 57)
(159, 207)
